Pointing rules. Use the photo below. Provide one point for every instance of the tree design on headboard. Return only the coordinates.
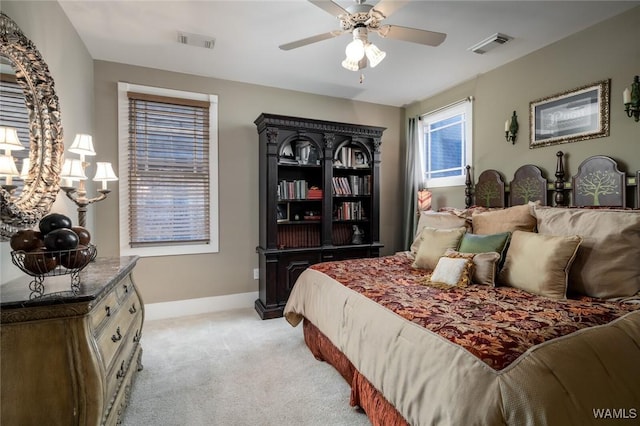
(527, 189)
(487, 191)
(598, 183)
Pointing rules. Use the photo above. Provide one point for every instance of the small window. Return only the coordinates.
(445, 144)
(168, 171)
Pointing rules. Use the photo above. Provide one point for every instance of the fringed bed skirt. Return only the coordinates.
(363, 393)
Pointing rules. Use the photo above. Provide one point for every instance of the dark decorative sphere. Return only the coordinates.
(26, 240)
(75, 258)
(61, 239)
(83, 234)
(54, 221)
(40, 262)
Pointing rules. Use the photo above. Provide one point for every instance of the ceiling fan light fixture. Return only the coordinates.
(374, 55)
(350, 64)
(355, 50)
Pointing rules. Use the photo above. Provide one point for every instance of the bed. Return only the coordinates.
(544, 329)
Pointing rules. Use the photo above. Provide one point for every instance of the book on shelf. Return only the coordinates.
(314, 193)
(351, 185)
(293, 190)
(349, 210)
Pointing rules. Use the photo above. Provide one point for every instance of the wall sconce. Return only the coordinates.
(73, 170)
(9, 142)
(631, 100)
(511, 128)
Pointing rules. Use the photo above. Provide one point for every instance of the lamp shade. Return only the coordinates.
(9, 139)
(72, 170)
(350, 64)
(7, 167)
(374, 55)
(104, 172)
(355, 50)
(83, 145)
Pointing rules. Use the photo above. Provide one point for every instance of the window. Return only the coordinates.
(168, 171)
(445, 144)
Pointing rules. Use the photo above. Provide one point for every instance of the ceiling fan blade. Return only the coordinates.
(414, 35)
(309, 40)
(329, 6)
(388, 7)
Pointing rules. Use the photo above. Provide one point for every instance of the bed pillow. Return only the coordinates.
(485, 265)
(539, 263)
(433, 243)
(474, 243)
(451, 272)
(430, 219)
(607, 264)
(506, 220)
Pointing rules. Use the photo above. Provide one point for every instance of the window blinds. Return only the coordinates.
(14, 113)
(168, 177)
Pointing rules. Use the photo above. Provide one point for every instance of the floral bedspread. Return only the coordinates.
(497, 325)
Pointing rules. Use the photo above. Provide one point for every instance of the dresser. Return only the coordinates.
(69, 356)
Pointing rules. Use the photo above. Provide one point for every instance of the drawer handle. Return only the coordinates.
(116, 337)
(132, 309)
(108, 309)
(126, 288)
(137, 336)
(121, 372)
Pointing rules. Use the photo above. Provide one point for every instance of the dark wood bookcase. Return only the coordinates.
(319, 199)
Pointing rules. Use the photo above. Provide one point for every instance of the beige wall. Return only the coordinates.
(230, 271)
(606, 51)
(71, 67)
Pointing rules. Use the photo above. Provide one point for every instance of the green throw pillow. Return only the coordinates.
(474, 243)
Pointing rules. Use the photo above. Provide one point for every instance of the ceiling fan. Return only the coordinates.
(359, 20)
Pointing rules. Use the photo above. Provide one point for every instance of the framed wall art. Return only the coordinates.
(572, 116)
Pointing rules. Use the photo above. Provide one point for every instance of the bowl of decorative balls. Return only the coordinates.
(56, 248)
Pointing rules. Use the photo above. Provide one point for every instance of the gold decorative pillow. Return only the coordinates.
(516, 218)
(437, 220)
(433, 243)
(539, 263)
(607, 263)
(451, 272)
(485, 265)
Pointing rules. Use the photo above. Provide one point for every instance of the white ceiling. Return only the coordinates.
(248, 33)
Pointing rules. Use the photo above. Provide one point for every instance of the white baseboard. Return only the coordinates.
(181, 308)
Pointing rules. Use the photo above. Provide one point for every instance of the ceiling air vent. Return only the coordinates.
(490, 43)
(197, 40)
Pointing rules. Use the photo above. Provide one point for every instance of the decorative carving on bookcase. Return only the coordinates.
(329, 140)
(376, 144)
(272, 135)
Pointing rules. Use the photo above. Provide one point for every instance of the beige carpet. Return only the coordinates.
(231, 368)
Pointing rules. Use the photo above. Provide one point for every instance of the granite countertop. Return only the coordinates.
(95, 280)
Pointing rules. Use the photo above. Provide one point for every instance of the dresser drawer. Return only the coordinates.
(103, 310)
(115, 407)
(111, 337)
(124, 360)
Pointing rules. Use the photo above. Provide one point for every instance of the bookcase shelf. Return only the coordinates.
(338, 163)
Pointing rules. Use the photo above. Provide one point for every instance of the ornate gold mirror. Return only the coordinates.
(25, 208)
